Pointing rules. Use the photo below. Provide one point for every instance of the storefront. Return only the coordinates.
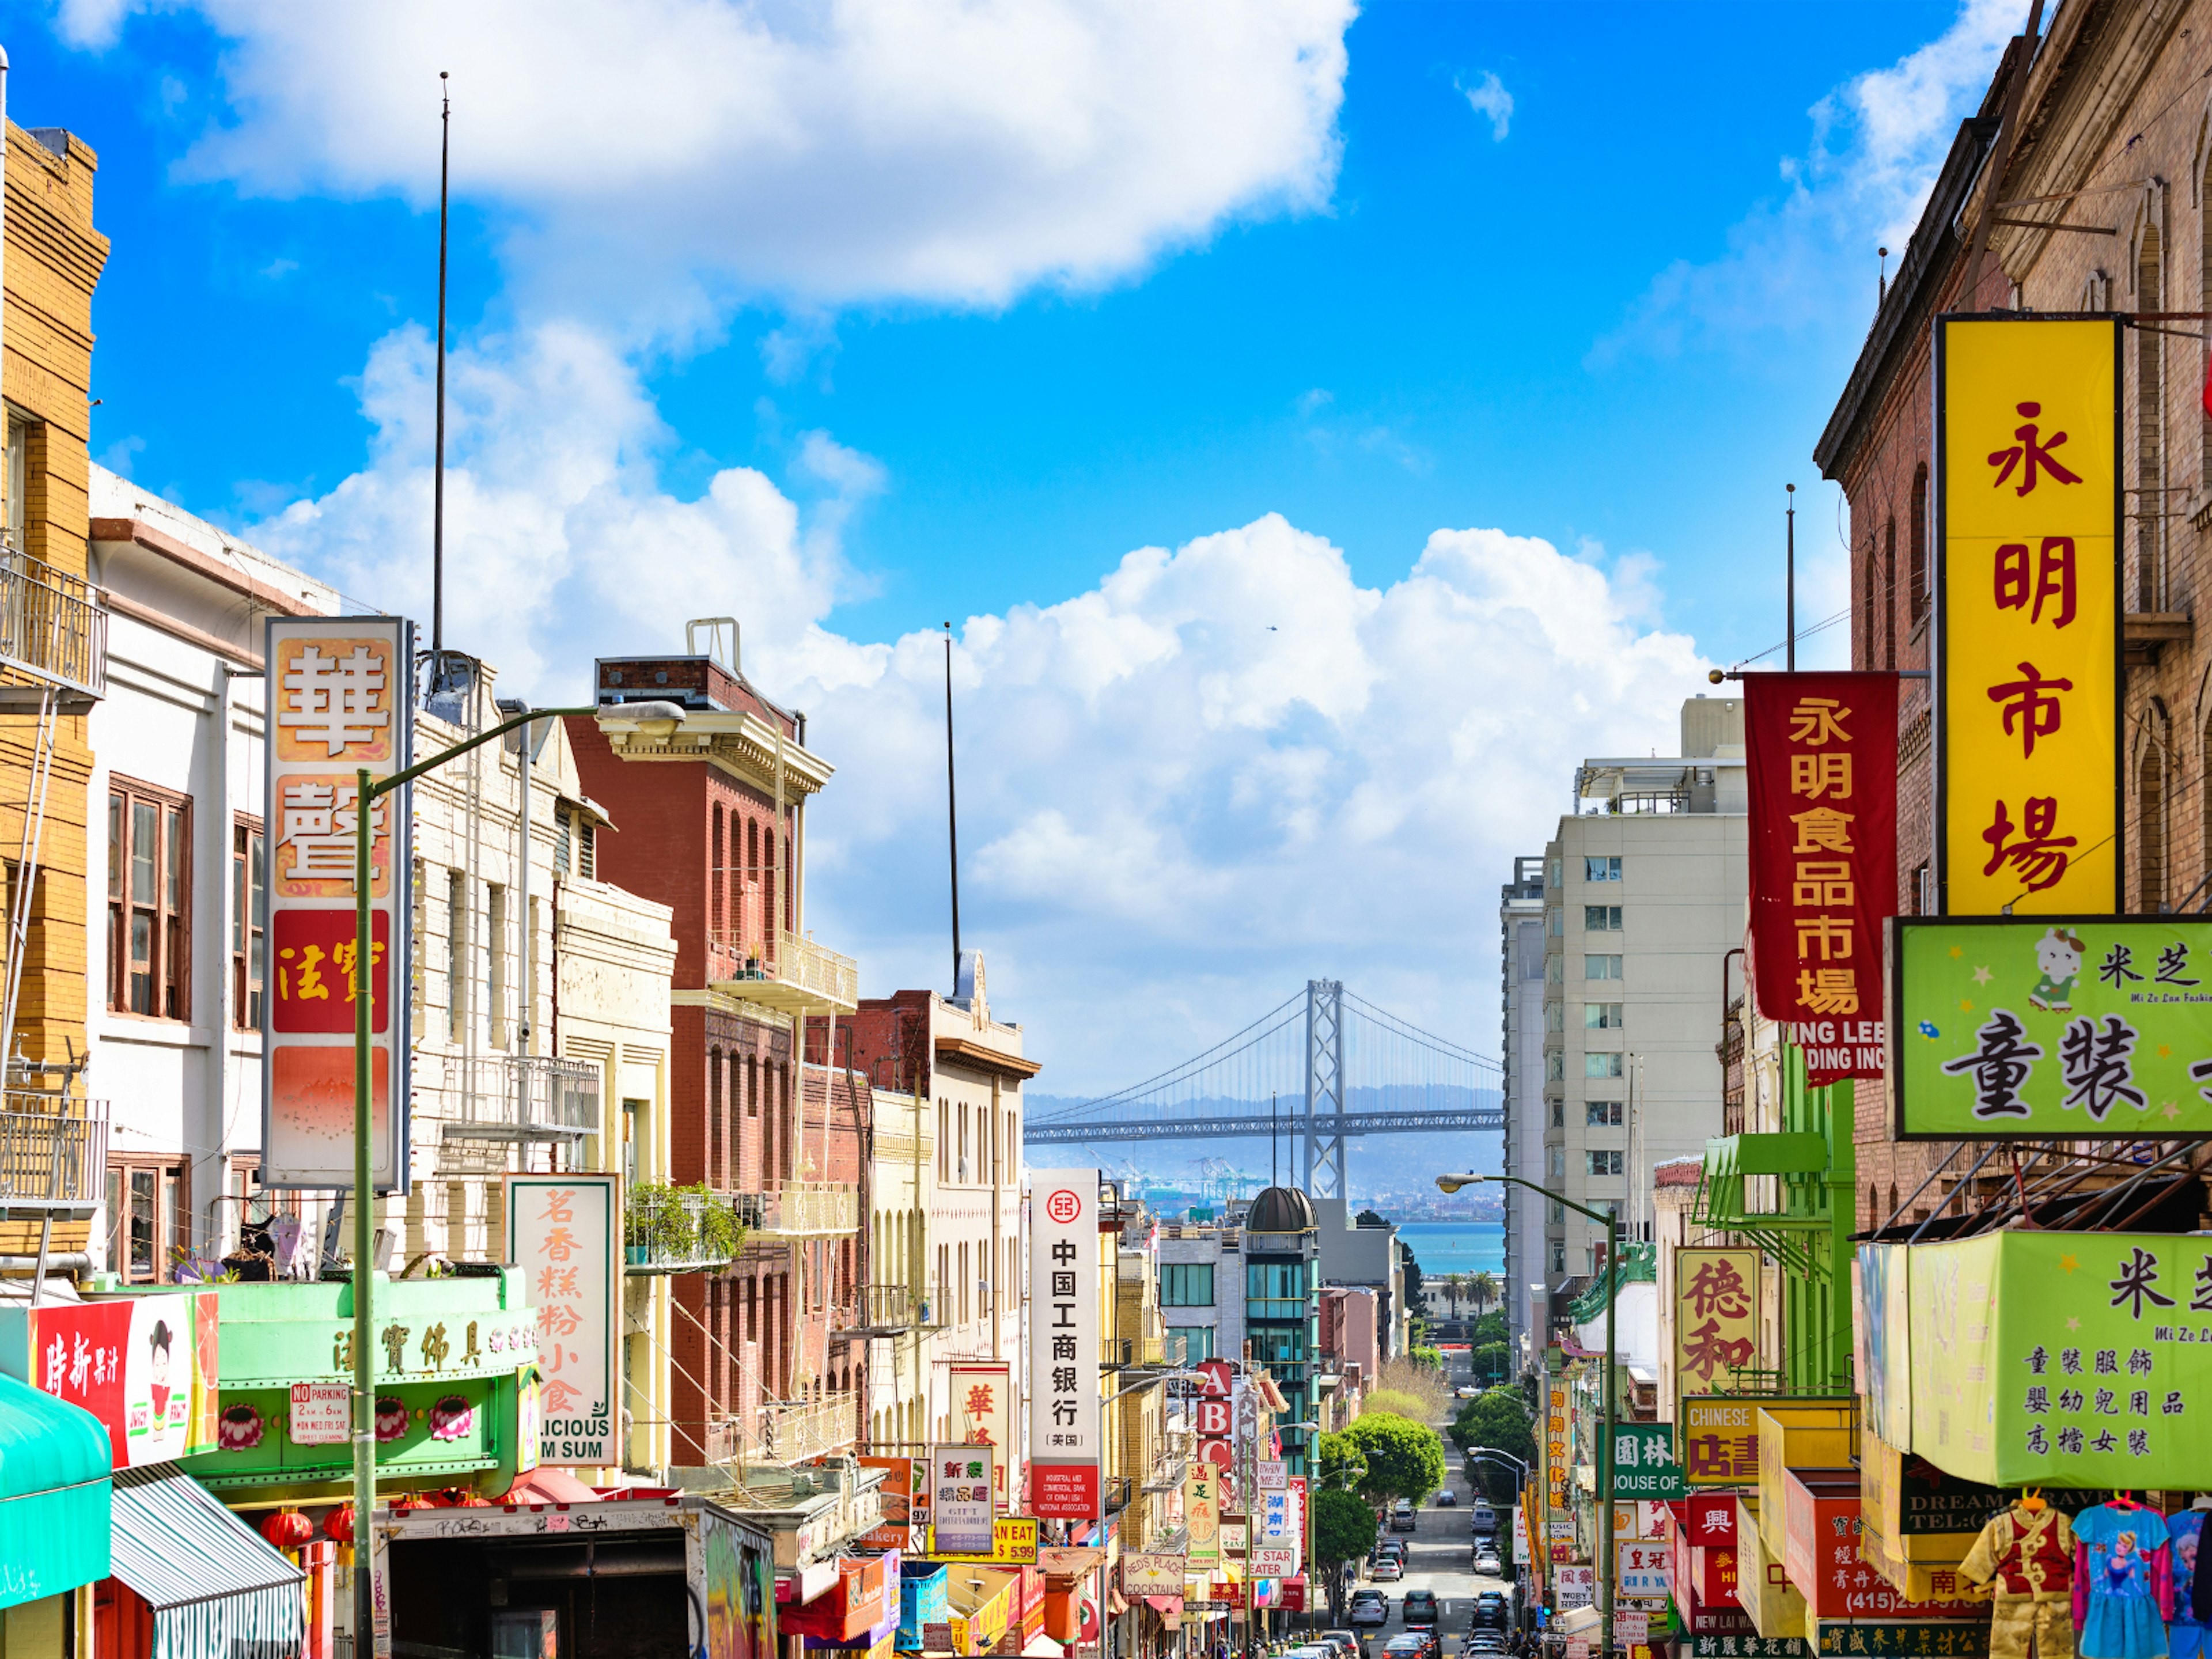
(55, 1495)
(189, 1578)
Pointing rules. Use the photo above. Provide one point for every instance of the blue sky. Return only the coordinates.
(853, 328)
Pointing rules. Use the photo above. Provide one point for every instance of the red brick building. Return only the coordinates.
(714, 826)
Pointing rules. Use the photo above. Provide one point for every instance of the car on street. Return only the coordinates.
(1370, 1606)
(1447, 1499)
(1481, 1518)
(1484, 1641)
(1467, 1391)
(1387, 1571)
(1402, 1516)
(1419, 1608)
(1490, 1609)
(1487, 1564)
(1352, 1641)
(1414, 1644)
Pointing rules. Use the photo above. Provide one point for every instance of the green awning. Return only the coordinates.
(54, 1491)
(215, 1587)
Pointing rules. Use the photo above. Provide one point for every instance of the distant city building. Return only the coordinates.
(1521, 1048)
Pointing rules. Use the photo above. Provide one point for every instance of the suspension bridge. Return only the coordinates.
(1326, 1066)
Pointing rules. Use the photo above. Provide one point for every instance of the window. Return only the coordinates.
(1889, 593)
(1605, 869)
(1555, 1066)
(1554, 923)
(1604, 1164)
(249, 921)
(575, 850)
(18, 502)
(1274, 1290)
(1603, 1114)
(1559, 1115)
(148, 901)
(1555, 1017)
(1602, 968)
(1558, 1214)
(1559, 1255)
(1601, 1065)
(1188, 1345)
(1559, 1162)
(495, 948)
(1923, 887)
(1186, 1284)
(1601, 1016)
(2150, 432)
(1555, 970)
(1918, 549)
(457, 954)
(1601, 918)
(1551, 876)
(148, 1216)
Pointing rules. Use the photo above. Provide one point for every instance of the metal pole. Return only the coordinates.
(1789, 557)
(953, 846)
(1605, 1562)
(438, 465)
(364, 1384)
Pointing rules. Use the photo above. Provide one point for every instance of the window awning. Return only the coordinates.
(54, 1487)
(214, 1584)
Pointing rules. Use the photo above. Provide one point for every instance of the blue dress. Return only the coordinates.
(2120, 1589)
(2185, 1630)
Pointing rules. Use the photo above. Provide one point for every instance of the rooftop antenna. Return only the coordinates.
(951, 810)
(1789, 554)
(1882, 279)
(438, 467)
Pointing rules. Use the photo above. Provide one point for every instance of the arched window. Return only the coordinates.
(1918, 545)
(2150, 828)
(718, 917)
(752, 871)
(2150, 433)
(1887, 593)
(771, 920)
(1865, 652)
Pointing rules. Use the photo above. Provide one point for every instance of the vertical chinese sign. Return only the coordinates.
(1822, 753)
(1064, 1416)
(1716, 1318)
(983, 1400)
(338, 689)
(2027, 658)
(563, 1231)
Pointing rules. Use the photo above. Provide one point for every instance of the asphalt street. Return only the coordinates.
(1439, 1558)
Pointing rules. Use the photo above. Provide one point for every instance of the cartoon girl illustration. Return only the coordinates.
(2059, 953)
(2124, 1574)
(157, 1369)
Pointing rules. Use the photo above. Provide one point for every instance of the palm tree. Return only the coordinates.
(1454, 1286)
(1485, 1292)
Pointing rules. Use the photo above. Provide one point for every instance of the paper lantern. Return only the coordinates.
(287, 1530)
(338, 1527)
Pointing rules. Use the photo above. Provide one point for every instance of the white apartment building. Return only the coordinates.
(1520, 1049)
(1643, 896)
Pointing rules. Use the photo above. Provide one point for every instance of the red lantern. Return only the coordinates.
(338, 1527)
(287, 1530)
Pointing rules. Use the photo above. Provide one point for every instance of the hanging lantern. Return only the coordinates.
(287, 1530)
(338, 1527)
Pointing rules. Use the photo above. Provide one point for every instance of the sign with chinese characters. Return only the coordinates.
(1064, 1434)
(1821, 760)
(1716, 1317)
(563, 1231)
(1720, 1437)
(138, 1364)
(1643, 1568)
(1577, 1587)
(1643, 1461)
(2027, 616)
(339, 701)
(1555, 1451)
(1202, 1511)
(1935, 1638)
(983, 1397)
(960, 1487)
(2064, 1359)
(1282, 1521)
(1749, 1646)
(2083, 1027)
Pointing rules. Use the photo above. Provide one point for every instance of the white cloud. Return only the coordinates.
(1488, 97)
(651, 158)
(1224, 768)
(1805, 260)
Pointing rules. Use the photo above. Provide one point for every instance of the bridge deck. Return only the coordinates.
(1063, 1133)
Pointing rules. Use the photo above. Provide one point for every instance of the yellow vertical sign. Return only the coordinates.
(2028, 655)
(1715, 1319)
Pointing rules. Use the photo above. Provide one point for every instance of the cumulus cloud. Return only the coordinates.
(1224, 768)
(1804, 260)
(1488, 97)
(650, 158)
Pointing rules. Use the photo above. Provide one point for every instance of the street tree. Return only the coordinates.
(1338, 1463)
(1405, 1459)
(1497, 1421)
(1344, 1531)
(1483, 1289)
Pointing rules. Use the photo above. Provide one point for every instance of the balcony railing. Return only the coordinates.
(669, 1230)
(784, 972)
(516, 1097)
(52, 626)
(53, 1152)
(888, 1310)
(802, 1210)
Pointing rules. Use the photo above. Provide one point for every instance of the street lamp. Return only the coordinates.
(655, 718)
(1452, 1184)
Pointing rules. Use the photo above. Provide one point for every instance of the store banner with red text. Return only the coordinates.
(1822, 750)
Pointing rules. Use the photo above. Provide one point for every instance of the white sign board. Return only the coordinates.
(1272, 1561)
(322, 1414)
(1577, 1586)
(1643, 1568)
(1577, 1650)
(340, 703)
(960, 1487)
(983, 1397)
(1273, 1471)
(565, 1232)
(1065, 1443)
(1631, 1628)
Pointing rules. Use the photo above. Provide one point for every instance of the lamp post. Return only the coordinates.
(1452, 1184)
(364, 1236)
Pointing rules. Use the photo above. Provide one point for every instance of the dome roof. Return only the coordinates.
(1281, 1210)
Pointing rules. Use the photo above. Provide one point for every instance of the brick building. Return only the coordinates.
(2114, 138)
(763, 1105)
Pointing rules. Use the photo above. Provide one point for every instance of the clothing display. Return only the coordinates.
(2185, 1631)
(2123, 1581)
(2026, 1556)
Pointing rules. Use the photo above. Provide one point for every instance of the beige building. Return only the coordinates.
(1643, 896)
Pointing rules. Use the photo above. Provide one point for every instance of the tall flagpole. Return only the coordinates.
(438, 466)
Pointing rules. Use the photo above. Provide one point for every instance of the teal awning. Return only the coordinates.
(54, 1492)
(215, 1586)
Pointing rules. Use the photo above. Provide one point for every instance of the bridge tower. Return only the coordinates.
(1325, 1171)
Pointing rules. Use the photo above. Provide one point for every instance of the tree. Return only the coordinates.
(1490, 1362)
(1499, 1421)
(1484, 1289)
(1405, 1459)
(1456, 1288)
(1339, 1464)
(1344, 1531)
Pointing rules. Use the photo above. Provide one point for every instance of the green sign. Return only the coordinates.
(1643, 1463)
(2031, 1027)
(1747, 1647)
(2063, 1360)
(1945, 1638)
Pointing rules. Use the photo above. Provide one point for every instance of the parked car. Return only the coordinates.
(1467, 1391)
(1402, 1517)
(1487, 1565)
(1387, 1571)
(1352, 1639)
(1419, 1608)
(1447, 1499)
(1370, 1606)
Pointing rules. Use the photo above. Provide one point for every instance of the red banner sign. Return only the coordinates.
(1822, 754)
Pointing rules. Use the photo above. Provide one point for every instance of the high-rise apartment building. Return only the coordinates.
(1521, 1048)
(1643, 896)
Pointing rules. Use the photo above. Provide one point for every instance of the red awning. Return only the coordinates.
(544, 1485)
(1170, 1608)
